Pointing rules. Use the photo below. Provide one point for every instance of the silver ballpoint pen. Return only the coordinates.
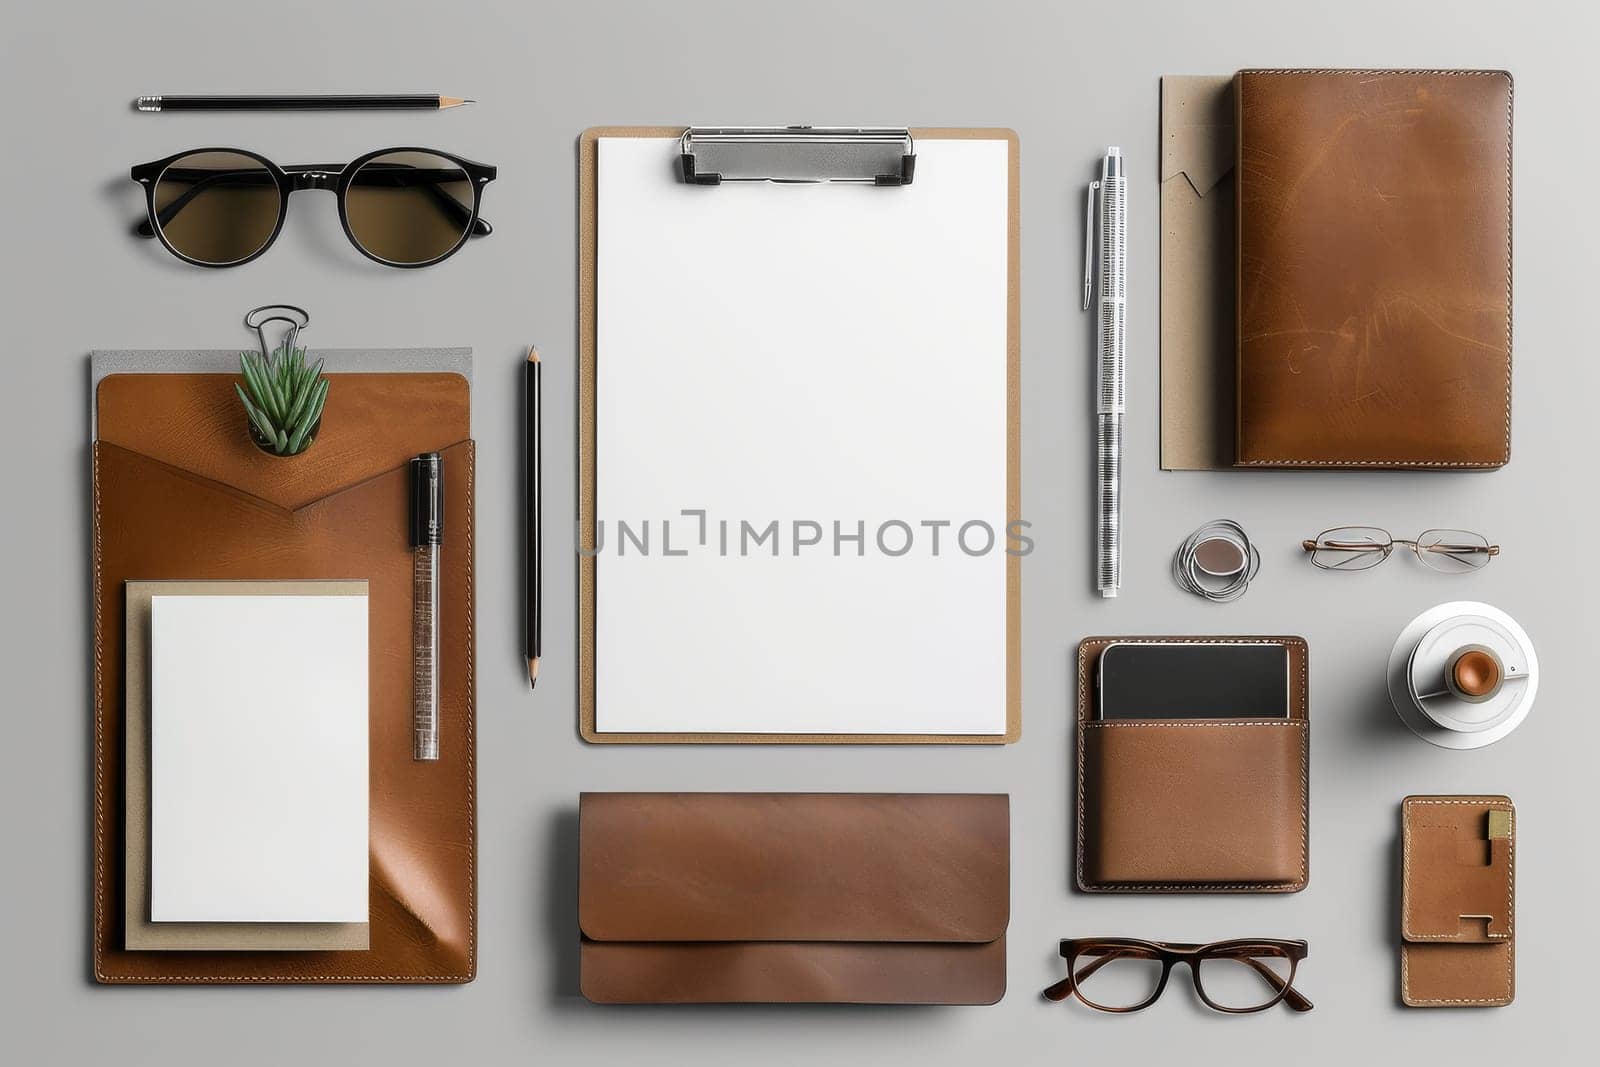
(1110, 196)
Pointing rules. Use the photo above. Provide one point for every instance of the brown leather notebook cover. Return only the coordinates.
(695, 898)
(1457, 901)
(1193, 805)
(180, 493)
(1374, 268)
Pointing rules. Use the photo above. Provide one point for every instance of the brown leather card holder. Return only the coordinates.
(1193, 805)
(1374, 268)
(858, 898)
(1457, 901)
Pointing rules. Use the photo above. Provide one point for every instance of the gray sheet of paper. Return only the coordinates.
(139, 932)
(1197, 272)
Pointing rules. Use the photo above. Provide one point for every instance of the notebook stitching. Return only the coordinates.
(1505, 454)
(472, 796)
(1305, 774)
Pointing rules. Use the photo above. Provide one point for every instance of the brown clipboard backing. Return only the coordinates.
(588, 218)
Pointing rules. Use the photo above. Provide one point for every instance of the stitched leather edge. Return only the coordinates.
(1099, 643)
(98, 934)
(1415, 464)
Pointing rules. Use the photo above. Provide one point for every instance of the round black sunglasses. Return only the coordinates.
(403, 207)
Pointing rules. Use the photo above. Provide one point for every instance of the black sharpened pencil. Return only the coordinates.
(313, 102)
(535, 583)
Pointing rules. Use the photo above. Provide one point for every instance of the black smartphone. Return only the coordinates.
(1194, 680)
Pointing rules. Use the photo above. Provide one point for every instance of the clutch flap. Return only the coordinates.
(195, 423)
(1457, 869)
(800, 867)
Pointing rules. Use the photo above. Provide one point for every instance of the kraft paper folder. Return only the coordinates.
(730, 288)
(1197, 272)
(180, 494)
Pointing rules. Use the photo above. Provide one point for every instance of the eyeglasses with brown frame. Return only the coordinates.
(1359, 548)
(1124, 974)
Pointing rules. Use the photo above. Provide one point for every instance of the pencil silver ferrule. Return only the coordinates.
(148, 103)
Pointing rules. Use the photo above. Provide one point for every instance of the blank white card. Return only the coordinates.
(258, 759)
(832, 359)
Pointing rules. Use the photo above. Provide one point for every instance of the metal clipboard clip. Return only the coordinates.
(711, 155)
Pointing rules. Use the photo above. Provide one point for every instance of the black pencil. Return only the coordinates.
(314, 102)
(534, 592)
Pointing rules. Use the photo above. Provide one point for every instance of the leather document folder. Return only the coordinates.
(1374, 213)
(1457, 901)
(1193, 805)
(694, 898)
(179, 493)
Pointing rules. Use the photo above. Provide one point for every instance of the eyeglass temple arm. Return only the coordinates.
(1291, 996)
(448, 205)
(1311, 545)
(1462, 550)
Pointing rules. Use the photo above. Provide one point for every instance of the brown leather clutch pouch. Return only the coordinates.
(1457, 901)
(180, 493)
(1193, 805)
(694, 898)
(1374, 268)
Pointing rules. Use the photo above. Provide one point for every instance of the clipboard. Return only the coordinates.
(785, 155)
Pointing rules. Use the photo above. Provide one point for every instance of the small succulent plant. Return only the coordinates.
(283, 398)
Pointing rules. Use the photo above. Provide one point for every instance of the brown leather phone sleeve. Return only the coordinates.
(1457, 901)
(793, 898)
(1374, 268)
(180, 493)
(1193, 805)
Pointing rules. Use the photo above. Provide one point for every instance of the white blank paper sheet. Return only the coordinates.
(258, 759)
(805, 355)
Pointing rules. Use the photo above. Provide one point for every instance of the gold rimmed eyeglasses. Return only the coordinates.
(1359, 548)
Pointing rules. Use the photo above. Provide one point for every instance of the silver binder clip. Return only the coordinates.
(257, 320)
(711, 155)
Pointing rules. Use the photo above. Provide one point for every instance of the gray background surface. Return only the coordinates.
(73, 279)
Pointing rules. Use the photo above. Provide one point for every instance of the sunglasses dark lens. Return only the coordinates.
(217, 208)
(409, 207)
